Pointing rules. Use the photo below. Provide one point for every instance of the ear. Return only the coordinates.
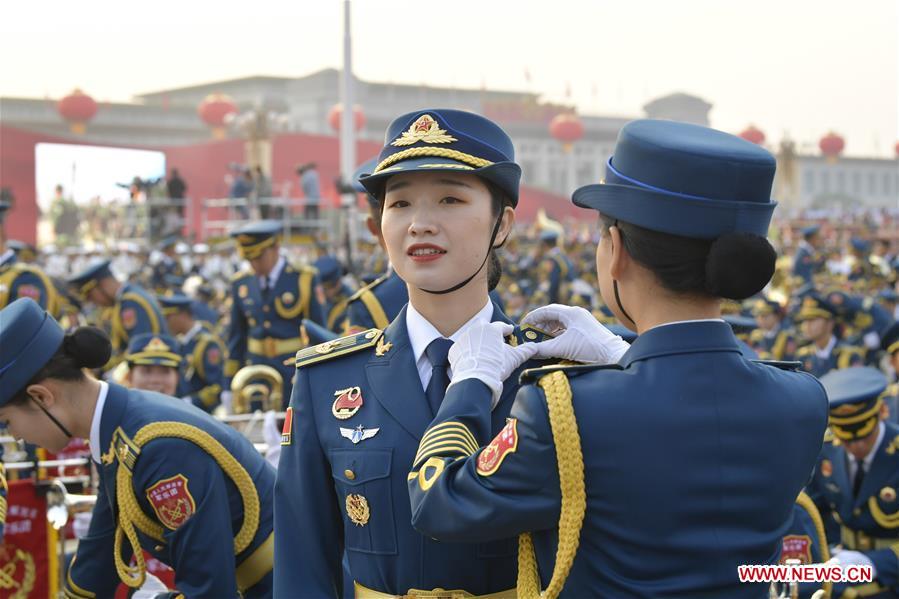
(620, 258)
(505, 226)
(41, 394)
(375, 230)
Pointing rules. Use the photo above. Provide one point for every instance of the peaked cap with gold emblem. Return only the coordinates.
(855, 400)
(154, 350)
(254, 238)
(442, 139)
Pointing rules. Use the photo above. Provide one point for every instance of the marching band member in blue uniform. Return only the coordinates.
(204, 353)
(337, 293)
(154, 363)
(167, 273)
(684, 212)
(771, 340)
(807, 260)
(556, 267)
(18, 279)
(268, 304)
(174, 481)
(133, 310)
(857, 478)
(447, 184)
(824, 352)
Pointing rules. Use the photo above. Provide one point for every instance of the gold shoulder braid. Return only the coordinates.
(574, 498)
(131, 517)
(806, 503)
(305, 291)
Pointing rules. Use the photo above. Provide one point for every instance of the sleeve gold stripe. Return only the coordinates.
(447, 451)
(457, 426)
(454, 439)
(452, 435)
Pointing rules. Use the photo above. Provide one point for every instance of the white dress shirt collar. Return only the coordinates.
(421, 333)
(186, 337)
(275, 273)
(95, 422)
(825, 353)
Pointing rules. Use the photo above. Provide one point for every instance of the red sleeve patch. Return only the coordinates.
(214, 355)
(129, 318)
(506, 442)
(172, 501)
(796, 547)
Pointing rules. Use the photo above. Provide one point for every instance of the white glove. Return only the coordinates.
(151, 588)
(482, 353)
(584, 339)
(847, 557)
(188, 399)
(226, 398)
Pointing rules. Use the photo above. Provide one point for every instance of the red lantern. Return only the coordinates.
(567, 128)
(214, 110)
(897, 149)
(77, 108)
(753, 134)
(335, 117)
(831, 146)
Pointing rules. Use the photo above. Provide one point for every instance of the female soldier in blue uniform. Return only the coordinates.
(659, 475)
(175, 482)
(447, 185)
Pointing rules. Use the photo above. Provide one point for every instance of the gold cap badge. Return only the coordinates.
(424, 129)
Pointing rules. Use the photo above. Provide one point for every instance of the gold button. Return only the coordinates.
(349, 474)
(856, 512)
(159, 548)
(531, 335)
(265, 308)
(267, 324)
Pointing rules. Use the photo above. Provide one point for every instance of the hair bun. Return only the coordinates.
(739, 265)
(88, 346)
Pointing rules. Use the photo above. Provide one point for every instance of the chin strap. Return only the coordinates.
(615, 287)
(469, 279)
(52, 417)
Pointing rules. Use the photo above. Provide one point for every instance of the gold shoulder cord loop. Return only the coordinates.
(304, 288)
(131, 517)
(574, 498)
(811, 509)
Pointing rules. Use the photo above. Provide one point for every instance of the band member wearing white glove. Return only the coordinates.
(578, 335)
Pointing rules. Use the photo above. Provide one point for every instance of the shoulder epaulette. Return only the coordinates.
(337, 347)
(828, 435)
(368, 287)
(570, 370)
(782, 364)
(805, 350)
(240, 274)
(527, 334)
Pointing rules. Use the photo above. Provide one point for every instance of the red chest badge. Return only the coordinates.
(347, 403)
(506, 442)
(29, 291)
(796, 547)
(172, 501)
(288, 427)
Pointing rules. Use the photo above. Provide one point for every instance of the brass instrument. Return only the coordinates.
(62, 505)
(256, 387)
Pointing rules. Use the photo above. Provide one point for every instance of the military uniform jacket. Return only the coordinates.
(18, 279)
(376, 304)
(204, 371)
(266, 330)
(806, 262)
(560, 272)
(684, 447)
(841, 356)
(780, 345)
(336, 309)
(135, 312)
(869, 522)
(335, 493)
(190, 508)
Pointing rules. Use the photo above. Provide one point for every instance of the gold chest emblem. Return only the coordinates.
(357, 509)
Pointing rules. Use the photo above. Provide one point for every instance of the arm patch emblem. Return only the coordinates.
(287, 430)
(172, 501)
(506, 442)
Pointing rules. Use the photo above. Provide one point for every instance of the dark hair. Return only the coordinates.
(498, 202)
(85, 347)
(733, 266)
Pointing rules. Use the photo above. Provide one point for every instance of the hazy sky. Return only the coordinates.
(802, 67)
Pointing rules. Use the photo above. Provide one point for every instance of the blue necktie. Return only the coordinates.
(438, 355)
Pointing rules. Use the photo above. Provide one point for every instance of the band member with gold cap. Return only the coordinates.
(154, 364)
(174, 482)
(771, 340)
(133, 310)
(204, 353)
(824, 352)
(684, 211)
(857, 478)
(268, 303)
(18, 278)
(446, 185)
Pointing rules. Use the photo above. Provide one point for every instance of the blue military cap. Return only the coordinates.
(685, 180)
(888, 295)
(363, 169)
(29, 337)
(889, 339)
(810, 230)
(329, 269)
(316, 333)
(154, 349)
(815, 306)
(23, 250)
(442, 139)
(87, 279)
(766, 305)
(855, 400)
(549, 235)
(172, 304)
(168, 241)
(254, 238)
(859, 244)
